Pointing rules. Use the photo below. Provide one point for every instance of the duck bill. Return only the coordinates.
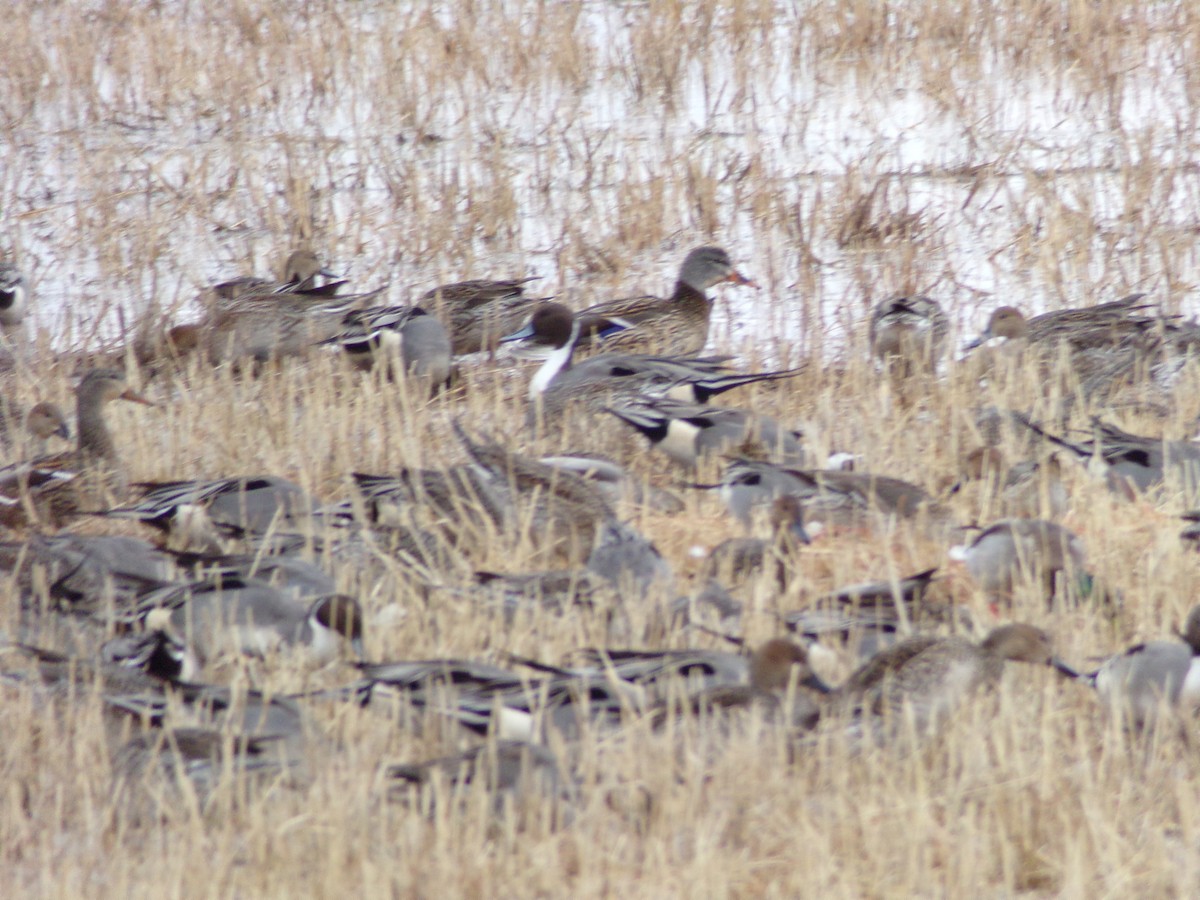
(800, 534)
(325, 273)
(736, 277)
(1063, 669)
(135, 397)
(522, 334)
(62, 431)
(814, 683)
(973, 344)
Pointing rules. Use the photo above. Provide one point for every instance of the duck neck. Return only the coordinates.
(556, 363)
(689, 296)
(95, 440)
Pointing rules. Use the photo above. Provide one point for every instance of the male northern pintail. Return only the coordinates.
(933, 676)
(831, 496)
(252, 617)
(14, 295)
(406, 339)
(609, 377)
(677, 325)
(690, 432)
(908, 334)
(1125, 459)
(489, 699)
(58, 486)
(1148, 678)
(199, 514)
(1013, 552)
(477, 313)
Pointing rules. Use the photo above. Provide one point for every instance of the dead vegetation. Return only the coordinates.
(1029, 153)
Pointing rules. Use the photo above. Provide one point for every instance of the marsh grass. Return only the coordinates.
(843, 152)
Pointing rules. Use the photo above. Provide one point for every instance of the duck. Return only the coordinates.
(477, 313)
(1011, 552)
(1032, 488)
(1140, 683)
(204, 756)
(830, 496)
(252, 617)
(52, 487)
(674, 326)
(405, 339)
(874, 615)
(488, 699)
(1129, 461)
(618, 484)
(201, 515)
(908, 334)
(560, 511)
(689, 432)
(556, 327)
(86, 572)
(256, 328)
(14, 296)
(624, 557)
(736, 560)
(552, 590)
(298, 274)
(1105, 325)
(933, 676)
(41, 422)
(506, 770)
(606, 378)
(769, 671)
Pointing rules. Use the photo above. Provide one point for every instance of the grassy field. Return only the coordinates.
(1038, 154)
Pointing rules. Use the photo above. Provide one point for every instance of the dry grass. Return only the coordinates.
(1036, 153)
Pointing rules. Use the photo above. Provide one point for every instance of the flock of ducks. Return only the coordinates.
(242, 564)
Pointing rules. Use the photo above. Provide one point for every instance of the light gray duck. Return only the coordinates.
(1141, 683)
(200, 515)
(405, 339)
(1037, 552)
(244, 615)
